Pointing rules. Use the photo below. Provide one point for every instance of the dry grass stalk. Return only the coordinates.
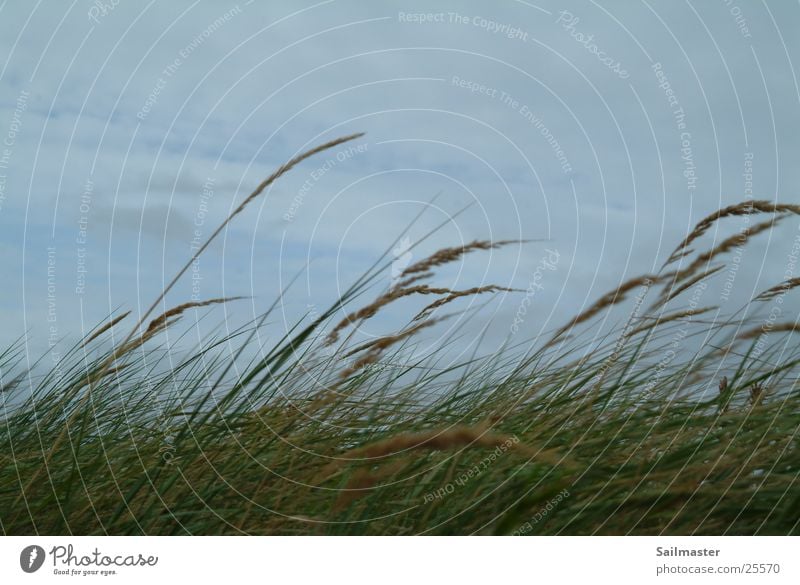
(756, 393)
(739, 239)
(144, 337)
(670, 293)
(383, 300)
(441, 440)
(723, 391)
(154, 329)
(457, 294)
(286, 167)
(744, 208)
(608, 300)
(779, 289)
(671, 317)
(779, 328)
(412, 280)
(167, 320)
(169, 317)
(447, 255)
(106, 327)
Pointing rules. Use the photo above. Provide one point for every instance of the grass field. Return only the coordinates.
(683, 421)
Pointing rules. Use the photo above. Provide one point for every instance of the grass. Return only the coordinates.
(670, 425)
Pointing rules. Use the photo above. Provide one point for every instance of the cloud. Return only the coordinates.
(537, 133)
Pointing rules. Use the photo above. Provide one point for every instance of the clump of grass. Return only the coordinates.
(209, 442)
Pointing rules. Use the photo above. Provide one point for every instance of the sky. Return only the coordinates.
(603, 131)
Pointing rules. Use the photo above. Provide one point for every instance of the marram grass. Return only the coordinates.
(636, 435)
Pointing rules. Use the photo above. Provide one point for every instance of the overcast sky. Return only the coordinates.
(606, 128)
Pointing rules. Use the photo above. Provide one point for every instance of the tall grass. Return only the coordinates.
(671, 425)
